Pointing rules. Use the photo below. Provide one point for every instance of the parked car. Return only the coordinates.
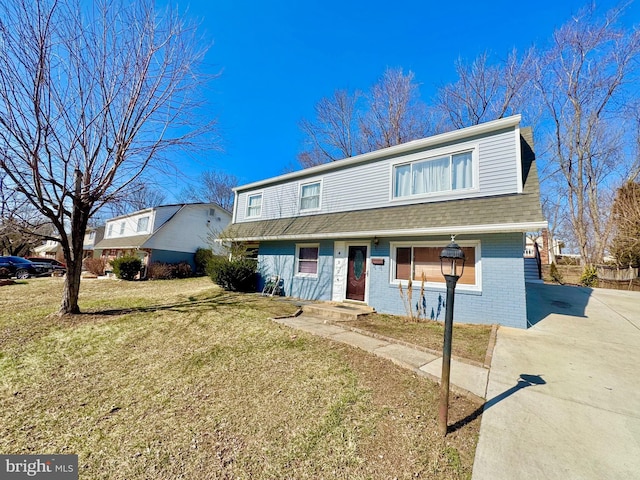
(59, 268)
(19, 267)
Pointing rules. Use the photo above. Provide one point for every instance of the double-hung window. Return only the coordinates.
(307, 260)
(254, 205)
(422, 260)
(434, 175)
(143, 224)
(310, 196)
(121, 228)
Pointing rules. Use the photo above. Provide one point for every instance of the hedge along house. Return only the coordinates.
(359, 228)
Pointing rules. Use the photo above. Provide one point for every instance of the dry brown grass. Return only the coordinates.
(469, 341)
(178, 379)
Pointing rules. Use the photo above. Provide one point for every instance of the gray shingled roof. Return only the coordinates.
(512, 212)
(136, 241)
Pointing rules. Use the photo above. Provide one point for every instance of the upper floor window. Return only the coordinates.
(435, 175)
(92, 235)
(121, 228)
(143, 224)
(254, 205)
(110, 230)
(310, 196)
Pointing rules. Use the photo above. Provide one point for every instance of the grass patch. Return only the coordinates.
(469, 341)
(179, 379)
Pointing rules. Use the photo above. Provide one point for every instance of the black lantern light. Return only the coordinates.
(452, 260)
(452, 267)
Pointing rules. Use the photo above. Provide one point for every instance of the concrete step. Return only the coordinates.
(337, 311)
(531, 270)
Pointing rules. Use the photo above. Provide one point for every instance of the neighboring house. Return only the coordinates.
(92, 237)
(547, 249)
(50, 249)
(167, 234)
(358, 229)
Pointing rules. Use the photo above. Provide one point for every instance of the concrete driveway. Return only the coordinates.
(563, 398)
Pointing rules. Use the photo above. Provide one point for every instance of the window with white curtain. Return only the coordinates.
(143, 224)
(434, 175)
(254, 205)
(310, 196)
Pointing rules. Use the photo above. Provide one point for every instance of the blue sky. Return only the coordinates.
(278, 58)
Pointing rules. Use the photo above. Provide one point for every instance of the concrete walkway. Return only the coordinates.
(563, 398)
(466, 379)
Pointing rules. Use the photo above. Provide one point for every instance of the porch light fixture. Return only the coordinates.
(452, 266)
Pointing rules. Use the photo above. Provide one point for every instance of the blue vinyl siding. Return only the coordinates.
(278, 258)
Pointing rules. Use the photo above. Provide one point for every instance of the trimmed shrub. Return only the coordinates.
(182, 270)
(166, 271)
(201, 259)
(589, 276)
(555, 274)
(237, 274)
(127, 267)
(159, 271)
(96, 266)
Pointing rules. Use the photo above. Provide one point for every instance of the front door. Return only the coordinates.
(357, 273)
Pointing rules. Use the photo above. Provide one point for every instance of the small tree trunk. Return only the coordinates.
(73, 249)
(71, 290)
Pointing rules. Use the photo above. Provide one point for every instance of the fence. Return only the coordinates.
(615, 274)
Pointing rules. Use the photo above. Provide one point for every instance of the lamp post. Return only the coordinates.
(452, 267)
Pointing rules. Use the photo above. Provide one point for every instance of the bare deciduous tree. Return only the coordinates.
(141, 195)
(335, 133)
(396, 114)
(22, 228)
(213, 187)
(351, 124)
(485, 92)
(584, 80)
(626, 218)
(91, 96)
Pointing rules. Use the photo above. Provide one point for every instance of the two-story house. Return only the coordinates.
(92, 237)
(49, 249)
(358, 229)
(167, 234)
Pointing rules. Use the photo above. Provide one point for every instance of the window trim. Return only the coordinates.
(436, 154)
(249, 197)
(477, 244)
(296, 272)
(301, 187)
(146, 228)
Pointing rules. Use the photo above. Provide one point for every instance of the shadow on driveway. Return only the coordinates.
(544, 300)
(524, 380)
